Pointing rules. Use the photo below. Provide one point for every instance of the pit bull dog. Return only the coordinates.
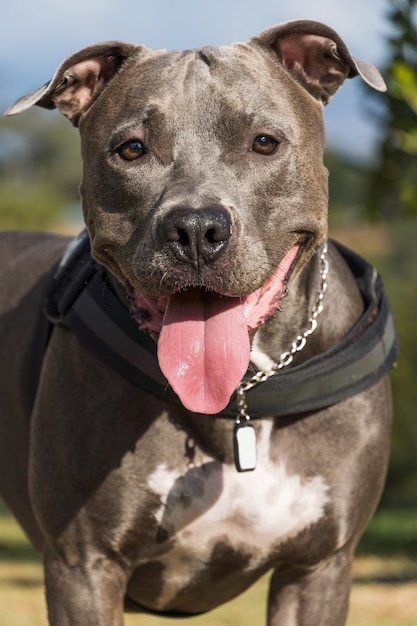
(205, 202)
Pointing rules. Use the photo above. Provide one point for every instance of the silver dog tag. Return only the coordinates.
(244, 442)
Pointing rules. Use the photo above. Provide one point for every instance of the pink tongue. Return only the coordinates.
(203, 348)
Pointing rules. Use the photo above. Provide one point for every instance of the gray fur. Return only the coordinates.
(74, 468)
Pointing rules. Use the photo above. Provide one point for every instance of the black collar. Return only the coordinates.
(81, 298)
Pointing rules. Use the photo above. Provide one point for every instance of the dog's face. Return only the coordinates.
(204, 188)
(223, 132)
(197, 193)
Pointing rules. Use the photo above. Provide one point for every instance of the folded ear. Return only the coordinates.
(79, 80)
(316, 57)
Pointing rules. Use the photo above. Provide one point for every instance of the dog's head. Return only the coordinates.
(204, 186)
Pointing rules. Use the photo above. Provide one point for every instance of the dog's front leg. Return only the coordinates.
(319, 597)
(89, 593)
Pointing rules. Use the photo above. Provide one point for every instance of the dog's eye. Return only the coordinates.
(131, 150)
(265, 145)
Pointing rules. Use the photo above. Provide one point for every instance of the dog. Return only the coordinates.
(263, 444)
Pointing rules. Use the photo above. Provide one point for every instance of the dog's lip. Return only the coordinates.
(258, 306)
(204, 338)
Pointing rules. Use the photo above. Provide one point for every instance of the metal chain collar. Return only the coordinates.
(297, 345)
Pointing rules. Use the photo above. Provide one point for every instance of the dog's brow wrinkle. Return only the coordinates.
(204, 58)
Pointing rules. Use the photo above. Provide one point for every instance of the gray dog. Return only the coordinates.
(168, 433)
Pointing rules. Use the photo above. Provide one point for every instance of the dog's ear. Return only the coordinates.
(79, 80)
(316, 57)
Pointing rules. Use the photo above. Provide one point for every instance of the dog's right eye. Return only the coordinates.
(265, 145)
(131, 150)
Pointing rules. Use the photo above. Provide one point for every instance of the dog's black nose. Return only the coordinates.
(196, 235)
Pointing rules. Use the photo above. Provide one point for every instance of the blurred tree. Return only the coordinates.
(347, 184)
(392, 194)
(397, 262)
(40, 169)
(393, 183)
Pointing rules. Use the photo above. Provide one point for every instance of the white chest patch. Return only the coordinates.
(211, 504)
(259, 509)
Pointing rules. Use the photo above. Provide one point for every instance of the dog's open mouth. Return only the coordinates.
(204, 336)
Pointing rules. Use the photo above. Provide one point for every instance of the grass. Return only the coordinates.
(384, 591)
(391, 532)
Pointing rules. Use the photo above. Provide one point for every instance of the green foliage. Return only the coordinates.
(391, 532)
(347, 185)
(389, 191)
(30, 207)
(398, 267)
(40, 170)
(393, 183)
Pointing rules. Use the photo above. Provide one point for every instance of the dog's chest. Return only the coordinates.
(212, 516)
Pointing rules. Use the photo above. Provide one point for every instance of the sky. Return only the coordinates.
(36, 35)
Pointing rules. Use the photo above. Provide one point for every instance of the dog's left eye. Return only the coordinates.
(265, 145)
(131, 150)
